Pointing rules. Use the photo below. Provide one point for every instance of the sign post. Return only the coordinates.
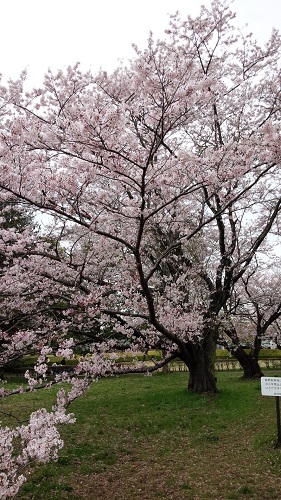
(278, 443)
(271, 386)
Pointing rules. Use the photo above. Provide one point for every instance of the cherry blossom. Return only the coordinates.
(156, 187)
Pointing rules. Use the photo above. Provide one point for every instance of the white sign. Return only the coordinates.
(271, 386)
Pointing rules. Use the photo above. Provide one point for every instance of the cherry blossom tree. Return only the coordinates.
(174, 156)
(182, 139)
(255, 310)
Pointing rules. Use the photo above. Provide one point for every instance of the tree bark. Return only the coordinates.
(249, 362)
(201, 364)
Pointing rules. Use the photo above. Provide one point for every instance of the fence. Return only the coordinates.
(228, 364)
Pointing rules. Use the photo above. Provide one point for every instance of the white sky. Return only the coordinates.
(37, 34)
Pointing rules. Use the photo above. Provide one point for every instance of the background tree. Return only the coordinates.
(255, 309)
(15, 223)
(13, 216)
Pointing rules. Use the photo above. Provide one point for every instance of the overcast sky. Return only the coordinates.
(37, 34)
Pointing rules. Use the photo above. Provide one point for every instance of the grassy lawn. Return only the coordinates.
(142, 437)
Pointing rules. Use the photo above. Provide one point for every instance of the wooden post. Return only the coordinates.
(278, 443)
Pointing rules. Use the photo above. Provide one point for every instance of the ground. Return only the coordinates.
(147, 438)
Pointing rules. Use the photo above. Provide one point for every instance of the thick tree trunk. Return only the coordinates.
(202, 377)
(249, 362)
(201, 365)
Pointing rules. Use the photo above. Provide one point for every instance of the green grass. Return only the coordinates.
(142, 437)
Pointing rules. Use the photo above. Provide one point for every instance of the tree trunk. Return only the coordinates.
(201, 364)
(249, 362)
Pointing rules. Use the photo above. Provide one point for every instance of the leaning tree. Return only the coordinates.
(253, 314)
